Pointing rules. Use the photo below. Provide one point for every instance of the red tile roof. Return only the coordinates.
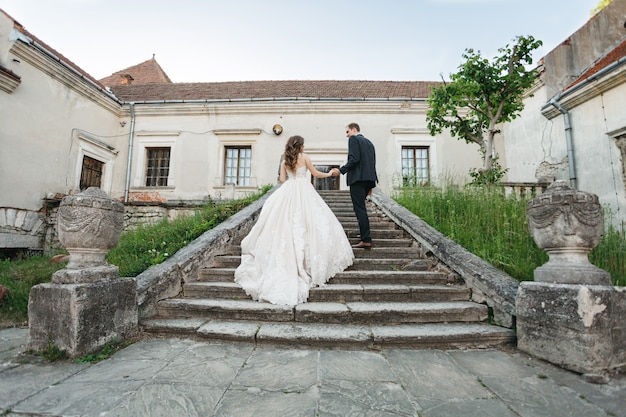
(148, 72)
(614, 55)
(242, 90)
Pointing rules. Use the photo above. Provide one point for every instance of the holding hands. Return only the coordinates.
(334, 172)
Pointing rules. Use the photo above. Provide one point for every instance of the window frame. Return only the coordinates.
(157, 178)
(87, 168)
(147, 139)
(238, 168)
(94, 148)
(415, 179)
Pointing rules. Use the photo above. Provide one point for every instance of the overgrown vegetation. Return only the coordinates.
(107, 350)
(152, 244)
(52, 353)
(494, 227)
(19, 277)
(136, 251)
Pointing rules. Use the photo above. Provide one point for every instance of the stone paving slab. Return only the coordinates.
(184, 377)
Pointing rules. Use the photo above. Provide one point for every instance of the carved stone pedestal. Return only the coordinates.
(87, 304)
(571, 315)
(82, 318)
(577, 327)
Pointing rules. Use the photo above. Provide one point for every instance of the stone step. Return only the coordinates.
(360, 264)
(387, 253)
(390, 277)
(347, 211)
(376, 233)
(353, 224)
(353, 277)
(415, 336)
(389, 297)
(341, 292)
(325, 312)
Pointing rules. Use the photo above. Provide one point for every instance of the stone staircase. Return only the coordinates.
(390, 297)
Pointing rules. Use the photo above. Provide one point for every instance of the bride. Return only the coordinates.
(297, 243)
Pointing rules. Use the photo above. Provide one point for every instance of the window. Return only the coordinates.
(237, 165)
(91, 173)
(157, 167)
(415, 165)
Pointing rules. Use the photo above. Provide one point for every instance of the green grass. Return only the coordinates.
(19, 277)
(494, 227)
(105, 352)
(136, 251)
(150, 245)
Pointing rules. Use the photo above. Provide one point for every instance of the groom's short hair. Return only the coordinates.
(354, 126)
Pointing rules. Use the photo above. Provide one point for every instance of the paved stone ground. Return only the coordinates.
(178, 377)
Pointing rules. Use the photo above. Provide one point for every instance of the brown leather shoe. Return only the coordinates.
(365, 245)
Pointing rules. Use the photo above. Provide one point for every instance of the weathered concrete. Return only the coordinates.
(81, 318)
(179, 377)
(571, 316)
(488, 284)
(578, 327)
(86, 305)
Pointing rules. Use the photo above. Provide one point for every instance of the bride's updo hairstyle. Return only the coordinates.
(292, 149)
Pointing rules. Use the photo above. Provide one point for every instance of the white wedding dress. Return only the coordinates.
(296, 244)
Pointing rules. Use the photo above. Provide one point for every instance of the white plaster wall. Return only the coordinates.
(39, 136)
(534, 145)
(599, 163)
(196, 135)
(533, 140)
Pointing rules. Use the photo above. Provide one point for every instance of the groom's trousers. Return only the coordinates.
(358, 193)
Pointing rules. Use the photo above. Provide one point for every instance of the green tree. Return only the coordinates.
(601, 5)
(483, 94)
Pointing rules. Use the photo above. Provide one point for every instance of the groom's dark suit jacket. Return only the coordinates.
(361, 165)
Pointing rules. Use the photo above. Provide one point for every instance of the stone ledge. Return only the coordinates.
(165, 279)
(488, 283)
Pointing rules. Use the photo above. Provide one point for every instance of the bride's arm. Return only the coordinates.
(315, 172)
(283, 172)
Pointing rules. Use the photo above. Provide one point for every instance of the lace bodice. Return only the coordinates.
(300, 173)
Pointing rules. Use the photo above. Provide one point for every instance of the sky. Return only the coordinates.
(246, 40)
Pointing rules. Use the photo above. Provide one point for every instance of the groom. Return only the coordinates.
(361, 178)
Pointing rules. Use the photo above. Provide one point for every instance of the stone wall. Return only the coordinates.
(33, 233)
(141, 213)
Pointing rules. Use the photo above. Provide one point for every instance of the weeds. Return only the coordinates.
(494, 227)
(19, 277)
(136, 251)
(149, 245)
(106, 352)
(52, 353)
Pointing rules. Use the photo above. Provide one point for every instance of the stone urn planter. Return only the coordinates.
(89, 225)
(87, 304)
(567, 224)
(571, 315)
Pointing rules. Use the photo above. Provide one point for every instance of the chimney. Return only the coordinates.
(127, 79)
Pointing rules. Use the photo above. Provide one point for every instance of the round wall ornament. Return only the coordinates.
(277, 129)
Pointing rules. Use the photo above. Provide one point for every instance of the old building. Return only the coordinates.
(574, 127)
(140, 137)
(144, 139)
